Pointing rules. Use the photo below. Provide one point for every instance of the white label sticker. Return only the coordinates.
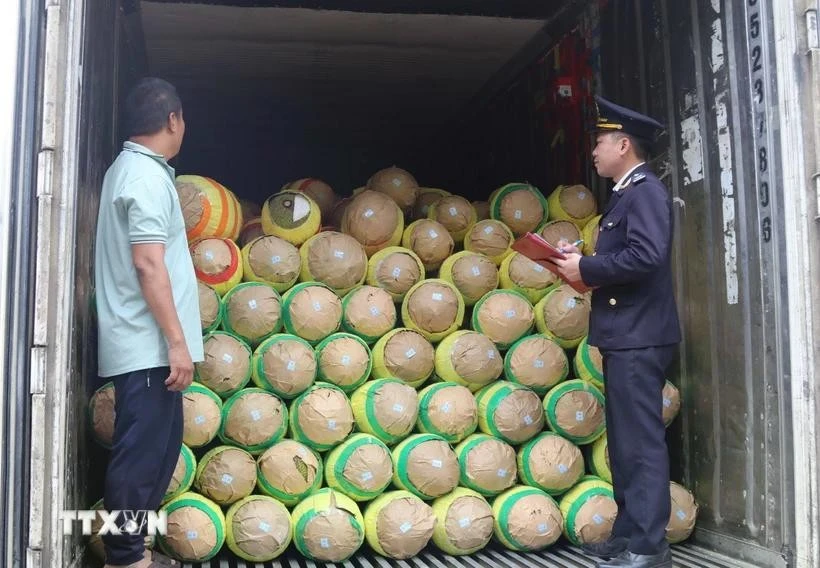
(324, 542)
(464, 522)
(227, 478)
(571, 303)
(345, 360)
(538, 364)
(501, 472)
(252, 304)
(490, 354)
(256, 415)
(476, 271)
(264, 527)
(405, 526)
(374, 311)
(396, 182)
(291, 365)
(209, 255)
(437, 296)
(537, 267)
(317, 306)
(199, 420)
(437, 464)
(488, 230)
(368, 213)
(432, 234)
(339, 253)
(597, 519)
(510, 314)
(366, 476)
(528, 420)
(542, 528)
(227, 358)
(275, 259)
(191, 535)
(301, 451)
(331, 424)
(398, 407)
(453, 211)
(582, 194)
(562, 468)
(579, 416)
(518, 214)
(681, 515)
(410, 353)
(667, 403)
(446, 407)
(396, 272)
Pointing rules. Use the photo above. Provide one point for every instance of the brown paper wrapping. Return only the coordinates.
(254, 312)
(397, 408)
(325, 416)
(579, 403)
(505, 317)
(265, 251)
(227, 363)
(482, 209)
(319, 191)
(412, 369)
(432, 242)
(336, 259)
(489, 237)
(332, 526)
(433, 315)
(183, 522)
(566, 313)
(535, 522)
(254, 418)
(103, 414)
(371, 459)
(289, 466)
(476, 358)
(461, 407)
(208, 304)
(201, 417)
(684, 514)
(343, 361)
(598, 508)
(396, 183)
(275, 366)
(370, 311)
(510, 416)
(408, 273)
(423, 203)
(337, 214)
(433, 468)
(474, 275)
(598, 361)
(251, 231)
(455, 213)
(179, 474)
(309, 323)
(538, 362)
(478, 532)
(521, 211)
(404, 527)
(190, 201)
(578, 201)
(371, 218)
(211, 256)
(671, 400)
(250, 538)
(492, 466)
(554, 231)
(553, 455)
(529, 274)
(229, 476)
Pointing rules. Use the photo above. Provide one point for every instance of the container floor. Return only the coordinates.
(560, 556)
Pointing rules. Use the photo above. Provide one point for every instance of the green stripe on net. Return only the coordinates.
(576, 506)
(404, 455)
(506, 509)
(213, 517)
(339, 468)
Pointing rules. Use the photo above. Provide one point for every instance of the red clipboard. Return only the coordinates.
(539, 250)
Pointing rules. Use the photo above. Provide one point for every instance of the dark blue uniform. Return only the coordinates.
(634, 323)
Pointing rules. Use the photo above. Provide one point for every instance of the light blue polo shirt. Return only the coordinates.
(139, 204)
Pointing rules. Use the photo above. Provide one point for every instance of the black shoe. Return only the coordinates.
(631, 560)
(613, 546)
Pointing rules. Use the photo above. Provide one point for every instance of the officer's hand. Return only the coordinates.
(182, 368)
(569, 269)
(567, 247)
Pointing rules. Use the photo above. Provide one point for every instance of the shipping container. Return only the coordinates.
(467, 95)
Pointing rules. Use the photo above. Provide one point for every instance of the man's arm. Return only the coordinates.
(155, 283)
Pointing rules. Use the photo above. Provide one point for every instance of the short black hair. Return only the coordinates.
(148, 105)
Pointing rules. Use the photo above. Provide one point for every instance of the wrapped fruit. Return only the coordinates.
(343, 360)
(684, 514)
(321, 417)
(375, 220)
(468, 358)
(258, 528)
(550, 462)
(334, 259)
(455, 213)
(504, 316)
(555, 231)
(252, 312)
(589, 511)
(399, 525)
(201, 415)
(396, 270)
(227, 365)
(385, 408)
(430, 240)
(404, 354)
(510, 412)
(284, 365)
(319, 191)
(210, 308)
(292, 216)
(563, 315)
(217, 263)
(396, 183)
(599, 459)
(195, 529)
(327, 526)
(434, 308)
(590, 235)
(101, 414)
(253, 419)
(536, 362)
(520, 206)
(183, 477)
(671, 403)
(464, 522)
(251, 230)
(486, 464)
(312, 311)
(272, 260)
(474, 275)
(491, 238)
(520, 274)
(368, 312)
(448, 410)
(360, 467)
(575, 410)
(425, 465)
(574, 203)
(589, 365)
(427, 196)
(209, 208)
(225, 475)
(289, 471)
(526, 519)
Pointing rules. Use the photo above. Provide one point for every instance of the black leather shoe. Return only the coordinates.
(613, 546)
(631, 560)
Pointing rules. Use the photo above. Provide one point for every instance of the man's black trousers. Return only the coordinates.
(145, 450)
(636, 438)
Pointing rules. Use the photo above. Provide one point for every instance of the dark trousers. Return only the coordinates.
(147, 442)
(636, 438)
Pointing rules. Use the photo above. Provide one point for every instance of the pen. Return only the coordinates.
(578, 243)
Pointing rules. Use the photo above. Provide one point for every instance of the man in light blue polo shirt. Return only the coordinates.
(148, 313)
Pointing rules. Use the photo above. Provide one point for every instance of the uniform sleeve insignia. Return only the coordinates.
(638, 178)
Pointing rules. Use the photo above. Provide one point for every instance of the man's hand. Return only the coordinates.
(182, 368)
(567, 247)
(570, 268)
